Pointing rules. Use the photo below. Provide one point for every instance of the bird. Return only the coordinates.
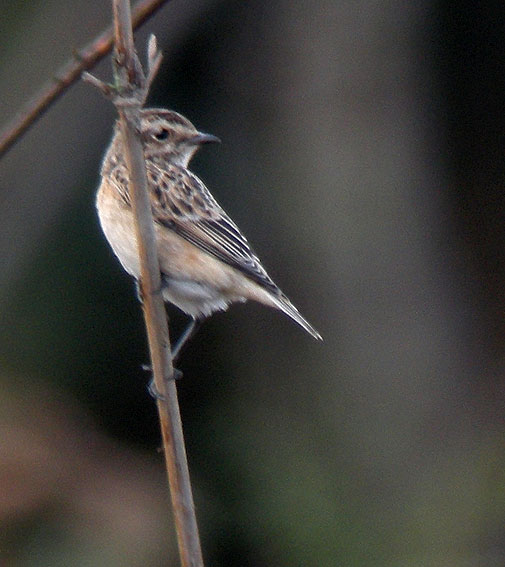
(205, 261)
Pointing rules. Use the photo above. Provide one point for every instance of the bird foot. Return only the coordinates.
(140, 293)
(151, 387)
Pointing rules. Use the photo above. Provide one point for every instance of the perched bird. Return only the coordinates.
(205, 261)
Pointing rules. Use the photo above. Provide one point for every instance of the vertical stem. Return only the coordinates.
(129, 74)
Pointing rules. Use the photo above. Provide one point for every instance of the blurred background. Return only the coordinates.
(363, 157)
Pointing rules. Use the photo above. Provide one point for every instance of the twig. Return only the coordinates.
(129, 93)
(68, 74)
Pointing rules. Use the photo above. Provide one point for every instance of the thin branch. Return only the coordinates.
(131, 87)
(154, 58)
(68, 74)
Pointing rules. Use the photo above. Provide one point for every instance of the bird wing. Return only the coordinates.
(181, 202)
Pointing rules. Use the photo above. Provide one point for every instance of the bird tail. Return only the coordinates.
(283, 303)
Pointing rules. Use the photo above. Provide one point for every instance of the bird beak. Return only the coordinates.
(202, 138)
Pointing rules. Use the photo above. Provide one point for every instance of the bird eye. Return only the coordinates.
(162, 135)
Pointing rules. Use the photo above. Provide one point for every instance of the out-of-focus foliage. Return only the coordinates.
(363, 157)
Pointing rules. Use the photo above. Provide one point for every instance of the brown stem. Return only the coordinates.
(83, 59)
(132, 82)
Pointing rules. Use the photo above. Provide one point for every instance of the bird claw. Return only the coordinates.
(140, 292)
(140, 295)
(151, 387)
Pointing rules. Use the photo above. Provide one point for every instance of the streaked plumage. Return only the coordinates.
(206, 263)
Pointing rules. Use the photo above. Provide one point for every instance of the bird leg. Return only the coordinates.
(188, 332)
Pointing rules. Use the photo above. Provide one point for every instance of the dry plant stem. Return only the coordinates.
(133, 85)
(83, 59)
(159, 345)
